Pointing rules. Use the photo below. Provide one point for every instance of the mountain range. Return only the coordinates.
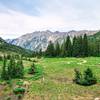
(40, 39)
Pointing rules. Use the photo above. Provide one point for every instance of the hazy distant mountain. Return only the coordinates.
(40, 39)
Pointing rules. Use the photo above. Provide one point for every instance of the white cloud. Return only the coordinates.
(14, 24)
(62, 15)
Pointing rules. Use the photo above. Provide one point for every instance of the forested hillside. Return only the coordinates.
(12, 49)
(80, 46)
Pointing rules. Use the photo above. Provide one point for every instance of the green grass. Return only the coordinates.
(58, 76)
(54, 79)
(37, 75)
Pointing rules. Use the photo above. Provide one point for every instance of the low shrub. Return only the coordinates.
(85, 79)
(38, 72)
(19, 83)
(19, 90)
(32, 69)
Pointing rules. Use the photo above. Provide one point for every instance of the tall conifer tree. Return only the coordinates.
(57, 49)
(68, 47)
(50, 50)
(85, 45)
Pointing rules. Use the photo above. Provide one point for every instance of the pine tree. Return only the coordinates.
(19, 69)
(78, 76)
(89, 78)
(12, 67)
(57, 49)
(97, 48)
(85, 45)
(92, 49)
(40, 52)
(50, 52)
(63, 49)
(4, 73)
(80, 43)
(79, 47)
(86, 79)
(76, 48)
(68, 46)
(32, 69)
(15, 70)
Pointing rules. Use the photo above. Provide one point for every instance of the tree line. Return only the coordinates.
(80, 46)
(12, 69)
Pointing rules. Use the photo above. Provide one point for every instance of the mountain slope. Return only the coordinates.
(9, 49)
(95, 36)
(40, 39)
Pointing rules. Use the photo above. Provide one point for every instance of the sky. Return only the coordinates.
(18, 17)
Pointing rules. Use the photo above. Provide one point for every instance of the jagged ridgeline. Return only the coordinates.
(40, 39)
(6, 48)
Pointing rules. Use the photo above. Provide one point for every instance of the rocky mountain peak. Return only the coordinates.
(39, 39)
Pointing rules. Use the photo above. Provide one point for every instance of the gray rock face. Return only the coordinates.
(40, 39)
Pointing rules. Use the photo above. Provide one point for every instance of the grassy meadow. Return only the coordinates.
(56, 81)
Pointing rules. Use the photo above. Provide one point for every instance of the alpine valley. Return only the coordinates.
(40, 39)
